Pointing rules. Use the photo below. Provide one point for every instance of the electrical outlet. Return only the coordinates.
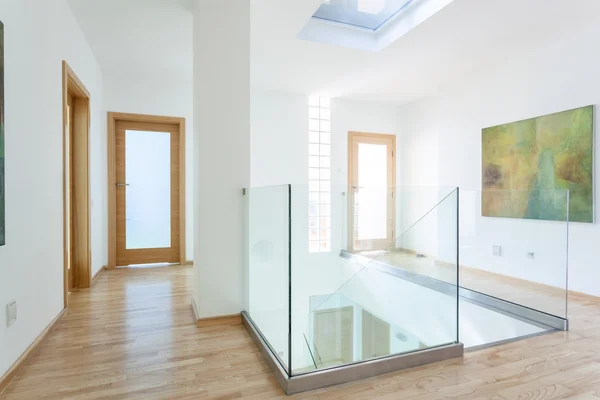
(530, 254)
(497, 250)
(11, 313)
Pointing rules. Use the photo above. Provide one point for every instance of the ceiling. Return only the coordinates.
(155, 36)
(142, 37)
(465, 36)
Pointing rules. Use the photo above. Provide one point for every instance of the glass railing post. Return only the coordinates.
(457, 264)
(289, 280)
(568, 195)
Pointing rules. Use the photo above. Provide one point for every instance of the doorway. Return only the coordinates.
(334, 336)
(375, 336)
(146, 186)
(76, 184)
(371, 180)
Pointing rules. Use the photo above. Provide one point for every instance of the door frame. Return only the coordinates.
(350, 211)
(113, 117)
(81, 159)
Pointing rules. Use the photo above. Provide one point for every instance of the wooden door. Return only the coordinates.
(375, 336)
(147, 170)
(77, 255)
(70, 191)
(334, 336)
(371, 177)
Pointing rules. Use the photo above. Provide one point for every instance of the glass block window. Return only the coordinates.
(319, 175)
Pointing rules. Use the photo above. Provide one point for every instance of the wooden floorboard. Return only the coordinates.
(133, 336)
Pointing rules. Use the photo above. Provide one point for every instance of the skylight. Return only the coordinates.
(366, 14)
(370, 25)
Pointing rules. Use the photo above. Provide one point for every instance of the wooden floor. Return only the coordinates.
(133, 337)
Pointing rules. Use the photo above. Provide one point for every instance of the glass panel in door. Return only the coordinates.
(148, 196)
(371, 193)
(372, 170)
(147, 157)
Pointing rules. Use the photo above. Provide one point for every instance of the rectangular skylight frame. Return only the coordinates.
(338, 34)
(346, 16)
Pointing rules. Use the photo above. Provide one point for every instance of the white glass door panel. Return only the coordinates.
(148, 189)
(371, 194)
(372, 175)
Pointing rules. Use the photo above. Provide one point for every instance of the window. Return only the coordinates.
(366, 14)
(319, 175)
(370, 25)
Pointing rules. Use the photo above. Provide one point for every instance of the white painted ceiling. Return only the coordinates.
(146, 37)
(465, 36)
(155, 36)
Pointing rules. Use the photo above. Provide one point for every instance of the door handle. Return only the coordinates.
(122, 184)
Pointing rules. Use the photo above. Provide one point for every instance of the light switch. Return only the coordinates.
(497, 250)
(11, 313)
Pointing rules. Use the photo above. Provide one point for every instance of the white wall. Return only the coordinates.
(280, 136)
(221, 153)
(160, 94)
(279, 156)
(279, 149)
(559, 76)
(38, 35)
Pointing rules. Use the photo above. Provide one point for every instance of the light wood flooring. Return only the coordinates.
(132, 336)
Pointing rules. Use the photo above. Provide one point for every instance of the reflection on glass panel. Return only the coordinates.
(371, 197)
(313, 173)
(148, 199)
(313, 137)
(268, 266)
(313, 112)
(313, 125)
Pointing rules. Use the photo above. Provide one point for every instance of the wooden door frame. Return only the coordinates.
(113, 117)
(81, 152)
(350, 216)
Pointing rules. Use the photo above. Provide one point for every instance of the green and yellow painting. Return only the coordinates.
(529, 167)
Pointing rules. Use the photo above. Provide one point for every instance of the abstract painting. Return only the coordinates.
(529, 167)
(2, 187)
